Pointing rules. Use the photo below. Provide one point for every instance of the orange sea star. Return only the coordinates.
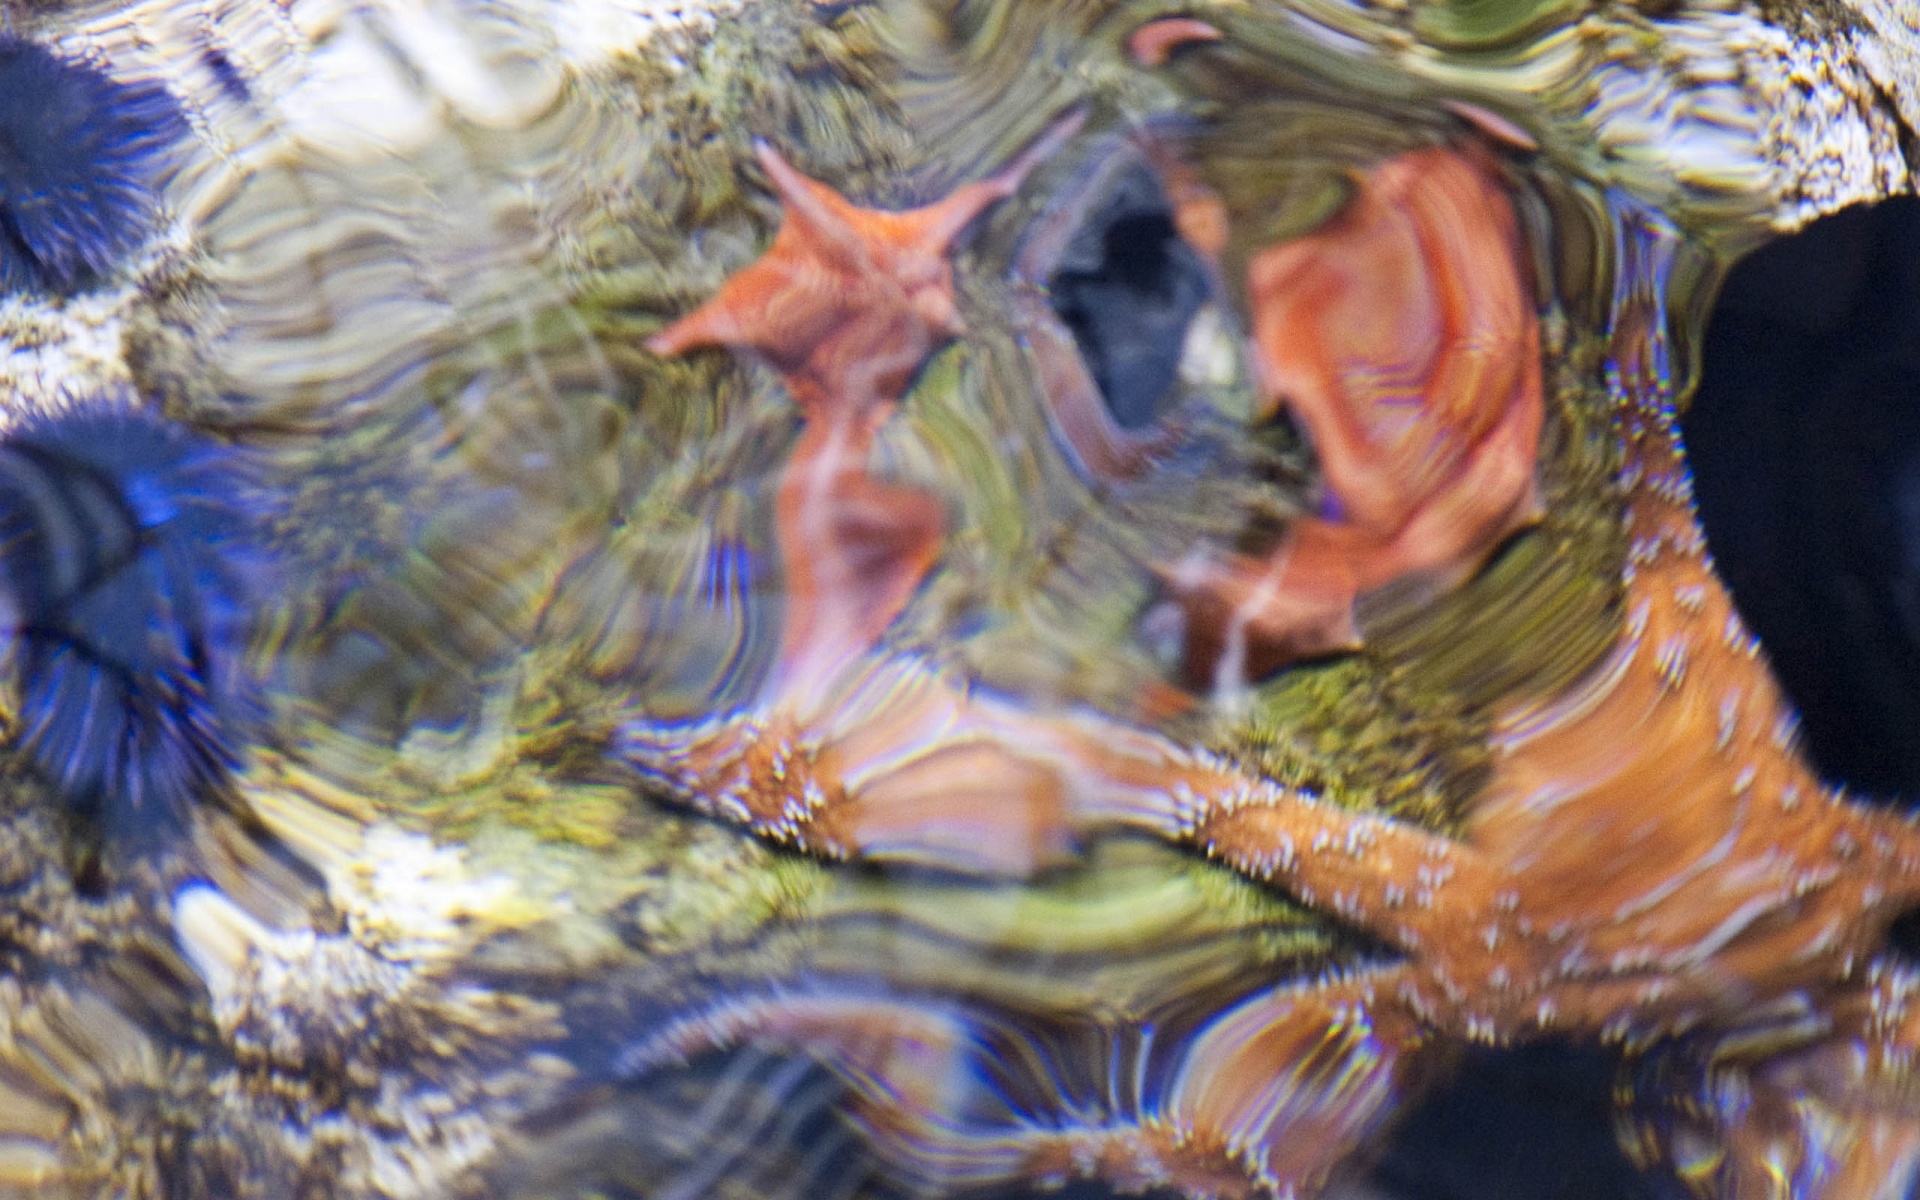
(846, 304)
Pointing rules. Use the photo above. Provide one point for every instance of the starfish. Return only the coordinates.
(846, 304)
(848, 301)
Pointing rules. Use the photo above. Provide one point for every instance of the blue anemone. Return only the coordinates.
(129, 549)
(80, 153)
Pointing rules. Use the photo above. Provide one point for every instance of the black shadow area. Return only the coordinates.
(1805, 443)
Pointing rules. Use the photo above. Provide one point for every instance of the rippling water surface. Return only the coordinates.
(787, 599)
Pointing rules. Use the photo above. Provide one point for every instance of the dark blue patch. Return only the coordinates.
(80, 154)
(1804, 439)
(231, 81)
(129, 550)
(1128, 287)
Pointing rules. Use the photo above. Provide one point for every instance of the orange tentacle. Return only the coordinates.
(1154, 43)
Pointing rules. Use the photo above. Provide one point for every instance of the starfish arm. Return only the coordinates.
(1290, 1082)
(1156, 42)
(1408, 887)
(855, 549)
(816, 213)
(1267, 1098)
(896, 762)
(929, 231)
(1245, 617)
(1831, 1118)
(892, 764)
(934, 228)
(712, 324)
(781, 308)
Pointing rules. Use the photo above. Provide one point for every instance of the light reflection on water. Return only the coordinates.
(676, 602)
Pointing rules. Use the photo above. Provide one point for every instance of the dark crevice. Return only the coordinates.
(1805, 445)
(1534, 1123)
(1903, 937)
(1127, 287)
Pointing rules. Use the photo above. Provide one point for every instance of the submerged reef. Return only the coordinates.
(782, 599)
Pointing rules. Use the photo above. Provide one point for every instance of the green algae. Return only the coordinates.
(1482, 24)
